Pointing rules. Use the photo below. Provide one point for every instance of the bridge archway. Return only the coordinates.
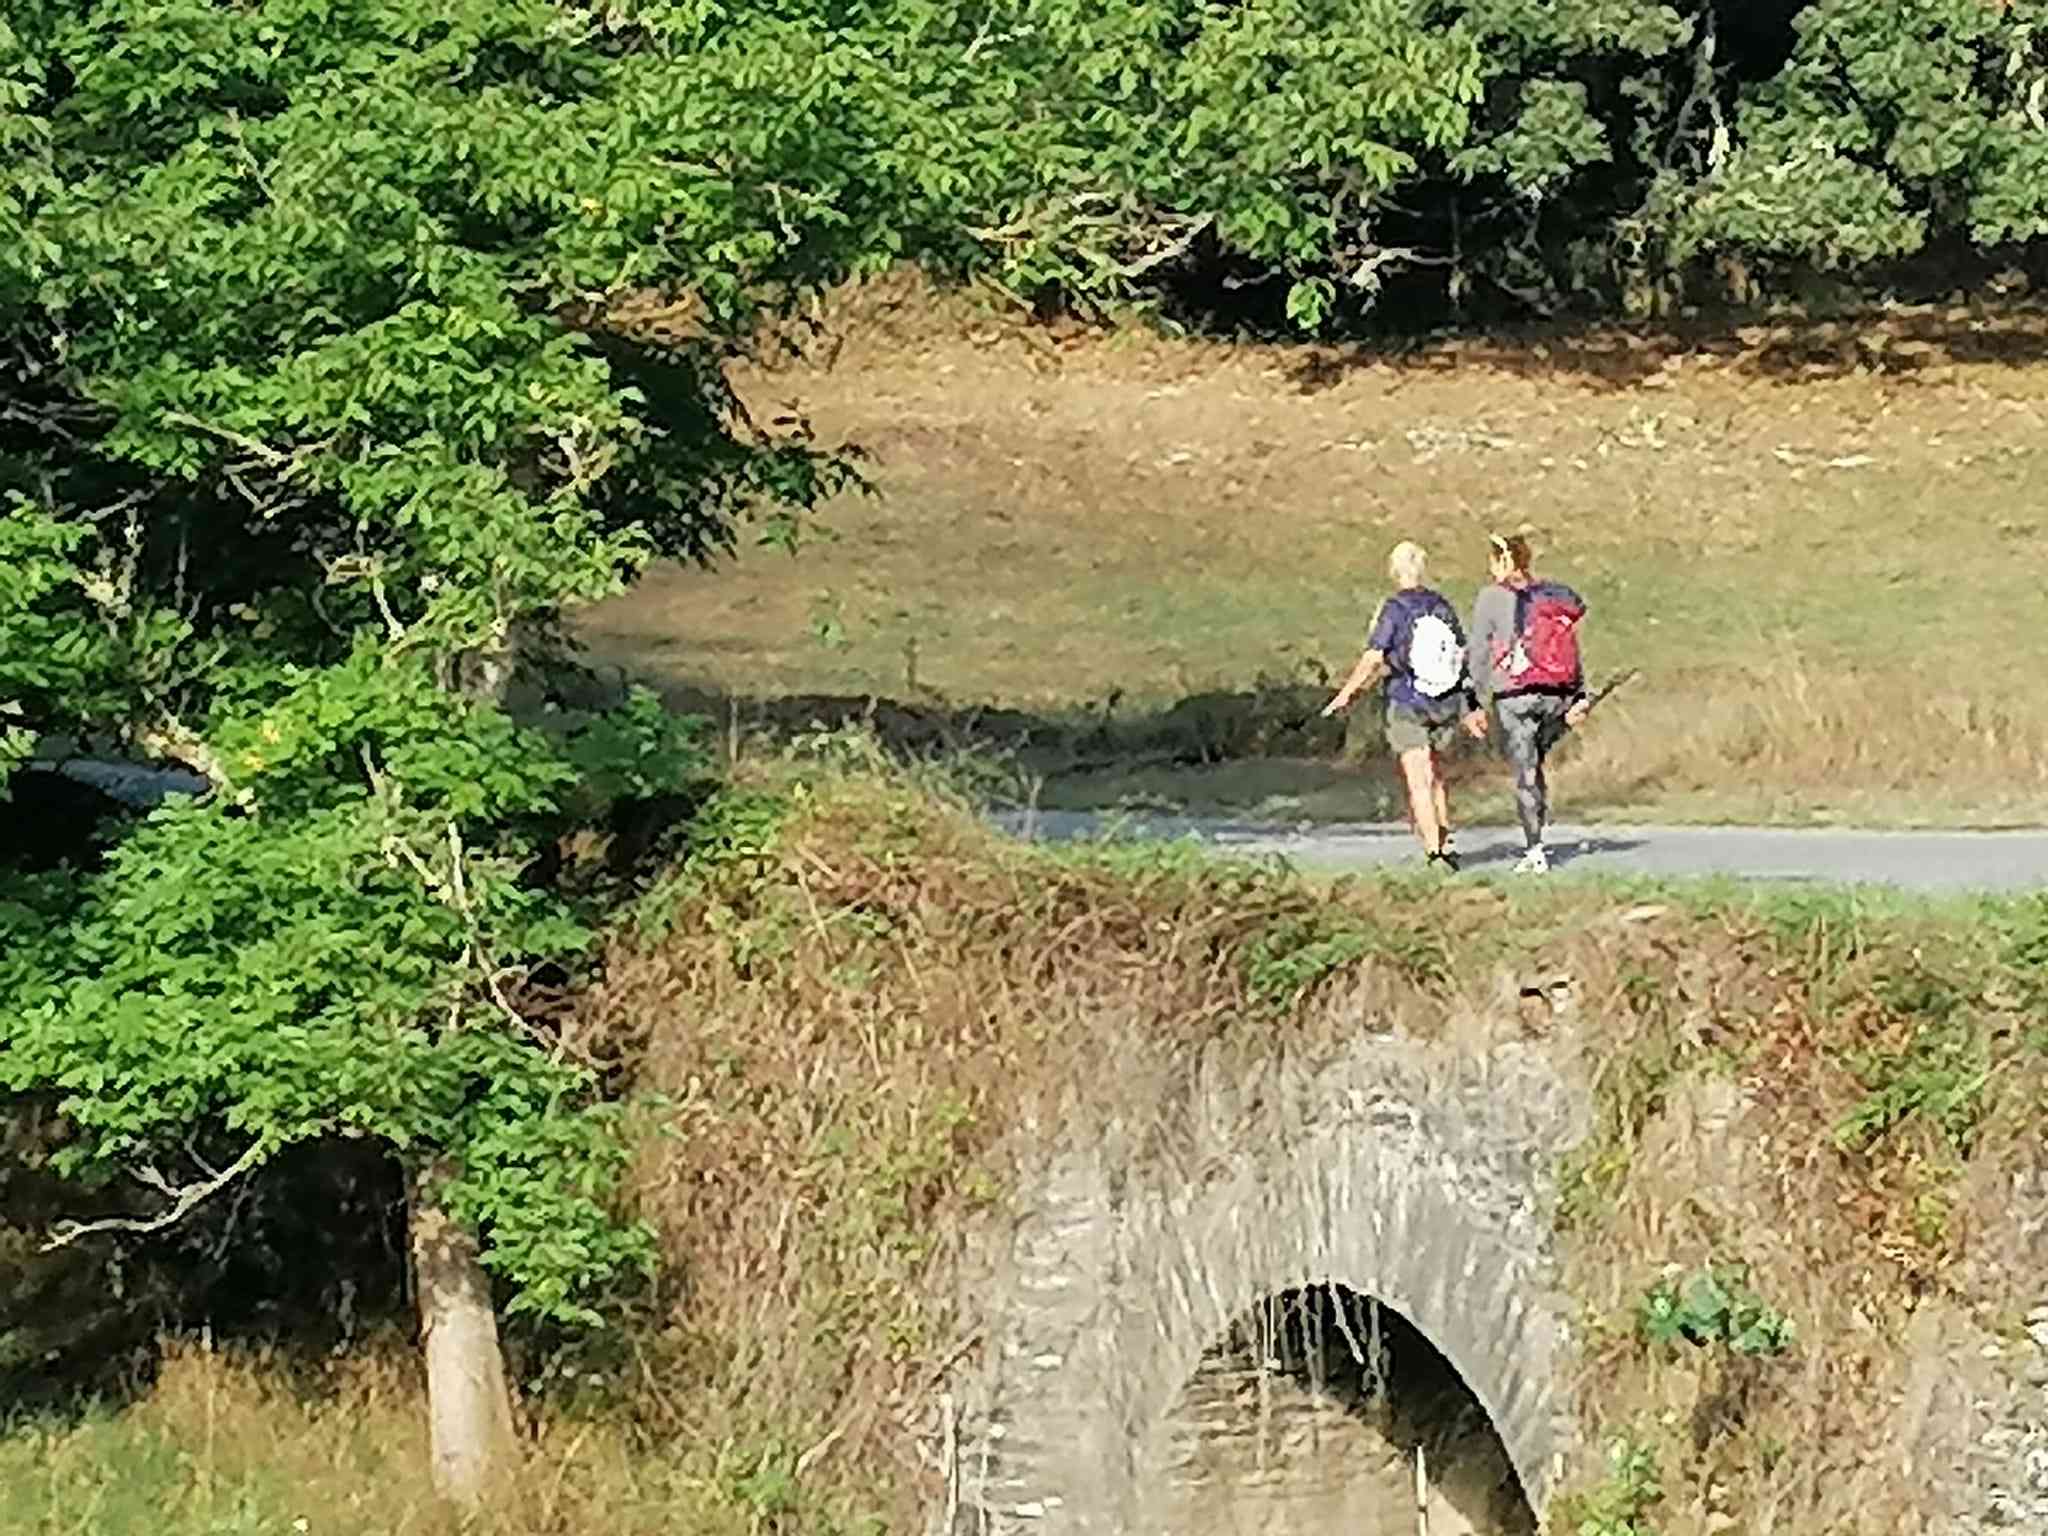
(1413, 1173)
(1325, 1411)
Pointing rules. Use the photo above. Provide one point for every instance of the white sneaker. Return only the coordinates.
(1535, 862)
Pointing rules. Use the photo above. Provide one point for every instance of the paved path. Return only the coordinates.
(1925, 861)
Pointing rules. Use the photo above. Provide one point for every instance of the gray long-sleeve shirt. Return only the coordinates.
(1491, 634)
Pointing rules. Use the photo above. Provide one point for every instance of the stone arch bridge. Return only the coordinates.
(1419, 1174)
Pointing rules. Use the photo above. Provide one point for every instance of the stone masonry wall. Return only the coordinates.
(1413, 1172)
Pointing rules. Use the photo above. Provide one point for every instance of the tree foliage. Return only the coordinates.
(299, 440)
(1889, 123)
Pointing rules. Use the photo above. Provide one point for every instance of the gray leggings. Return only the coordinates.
(1530, 725)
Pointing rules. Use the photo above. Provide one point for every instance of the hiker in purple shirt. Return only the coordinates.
(1418, 646)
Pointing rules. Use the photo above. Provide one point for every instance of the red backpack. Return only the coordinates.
(1546, 649)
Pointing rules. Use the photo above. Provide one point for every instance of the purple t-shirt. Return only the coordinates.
(1393, 638)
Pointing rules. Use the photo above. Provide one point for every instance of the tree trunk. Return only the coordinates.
(469, 1406)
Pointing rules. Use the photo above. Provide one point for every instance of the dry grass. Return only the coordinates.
(1731, 1061)
(242, 1444)
(1823, 563)
(874, 1015)
(852, 1029)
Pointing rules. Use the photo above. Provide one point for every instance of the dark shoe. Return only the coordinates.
(1447, 861)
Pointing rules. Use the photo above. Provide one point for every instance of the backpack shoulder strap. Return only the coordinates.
(1447, 610)
(1378, 613)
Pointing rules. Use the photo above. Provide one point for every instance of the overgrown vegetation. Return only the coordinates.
(848, 1014)
(1766, 1096)
(1623, 1502)
(1288, 961)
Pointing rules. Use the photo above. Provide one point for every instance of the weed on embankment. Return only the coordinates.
(851, 1005)
(1837, 1097)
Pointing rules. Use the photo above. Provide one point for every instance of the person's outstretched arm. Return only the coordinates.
(1372, 665)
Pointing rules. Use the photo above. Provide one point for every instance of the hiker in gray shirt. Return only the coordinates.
(1524, 661)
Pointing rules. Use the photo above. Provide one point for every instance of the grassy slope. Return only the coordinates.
(1826, 568)
(850, 1027)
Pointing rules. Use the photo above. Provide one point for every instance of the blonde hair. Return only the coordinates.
(1406, 563)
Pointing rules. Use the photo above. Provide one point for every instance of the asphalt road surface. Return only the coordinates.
(1922, 861)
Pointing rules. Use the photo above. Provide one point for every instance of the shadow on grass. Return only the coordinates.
(1247, 745)
(1202, 729)
(1264, 750)
(1896, 342)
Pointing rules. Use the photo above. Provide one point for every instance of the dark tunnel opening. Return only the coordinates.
(1308, 1417)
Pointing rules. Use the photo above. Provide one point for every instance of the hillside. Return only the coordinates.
(1146, 557)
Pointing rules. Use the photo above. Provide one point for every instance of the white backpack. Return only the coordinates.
(1436, 661)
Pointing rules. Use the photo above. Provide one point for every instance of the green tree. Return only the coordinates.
(1096, 148)
(1892, 123)
(315, 412)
